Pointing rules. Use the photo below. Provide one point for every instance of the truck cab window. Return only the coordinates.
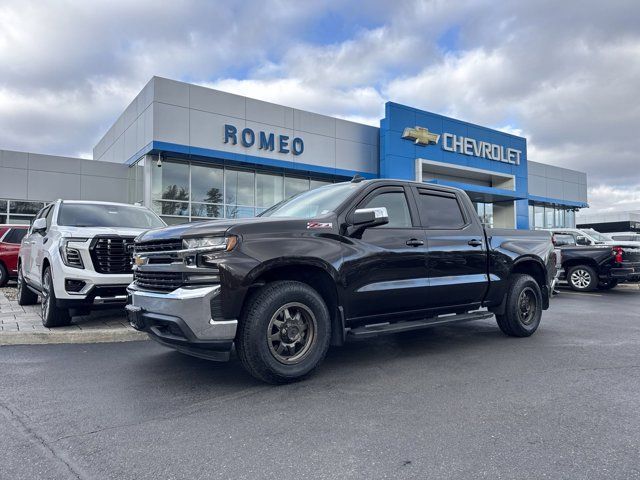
(440, 212)
(397, 208)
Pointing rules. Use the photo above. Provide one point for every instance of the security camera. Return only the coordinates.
(159, 164)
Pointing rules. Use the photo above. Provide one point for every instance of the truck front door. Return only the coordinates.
(456, 249)
(392, 276)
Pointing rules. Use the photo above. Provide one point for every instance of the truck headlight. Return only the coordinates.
(211, 243)
(69, 252)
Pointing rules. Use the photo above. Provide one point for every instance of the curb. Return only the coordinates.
(86, 336)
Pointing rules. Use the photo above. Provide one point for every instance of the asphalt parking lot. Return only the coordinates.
(461, 401)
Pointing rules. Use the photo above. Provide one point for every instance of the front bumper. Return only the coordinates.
(183, 320)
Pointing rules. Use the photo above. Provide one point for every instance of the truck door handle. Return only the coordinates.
(414, 242)
(474, 243)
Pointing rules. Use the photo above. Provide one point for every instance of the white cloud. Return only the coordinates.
(563, 75)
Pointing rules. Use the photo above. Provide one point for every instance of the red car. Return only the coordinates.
(10, 238)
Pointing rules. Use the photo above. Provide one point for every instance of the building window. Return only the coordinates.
(293, 186)
(485, 212)
(182, 191)
(541, 216)
(19, 211)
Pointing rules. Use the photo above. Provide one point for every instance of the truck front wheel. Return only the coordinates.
(284, 332)
(523, 309)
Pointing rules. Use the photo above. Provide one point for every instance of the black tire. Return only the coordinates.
(263, 327)
(23, 294)
(518, 321)
(607, 284)
(52, 315)
(582, 278)
(4, 275)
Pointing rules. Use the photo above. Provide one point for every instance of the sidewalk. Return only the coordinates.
(23, 325)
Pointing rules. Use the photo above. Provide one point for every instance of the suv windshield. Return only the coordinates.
(99, 215)
(601, 237)
(313, 203)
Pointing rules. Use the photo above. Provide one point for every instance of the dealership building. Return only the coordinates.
(192, 153)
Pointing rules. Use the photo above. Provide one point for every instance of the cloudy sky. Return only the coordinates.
(564, 74)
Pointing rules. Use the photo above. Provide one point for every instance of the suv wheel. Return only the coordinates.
(4, 275)
(23, 294)
(582, 278)
(284, 332)
(523, 309)
(52, 316)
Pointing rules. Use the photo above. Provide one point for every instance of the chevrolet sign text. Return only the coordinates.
(475, 148)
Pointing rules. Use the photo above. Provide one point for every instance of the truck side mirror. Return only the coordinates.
(39, 225)
(370, 217)
(580, 240)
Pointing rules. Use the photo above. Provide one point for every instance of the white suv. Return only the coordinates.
(76, 257)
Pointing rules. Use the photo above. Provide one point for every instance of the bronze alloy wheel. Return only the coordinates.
(291, 333)
(527, 305)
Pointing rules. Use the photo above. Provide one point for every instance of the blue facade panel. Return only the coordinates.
(477, 147)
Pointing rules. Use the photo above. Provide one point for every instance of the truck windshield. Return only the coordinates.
(601, 237)
(313, 203)
(99, 215)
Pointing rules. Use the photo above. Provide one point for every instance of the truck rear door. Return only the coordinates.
(456, 249)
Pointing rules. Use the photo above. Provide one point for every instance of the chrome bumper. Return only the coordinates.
(190, 305)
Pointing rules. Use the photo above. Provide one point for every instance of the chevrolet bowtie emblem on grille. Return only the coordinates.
(138, 260)
(421, 135)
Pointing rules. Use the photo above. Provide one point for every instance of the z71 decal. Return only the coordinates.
(314, 225)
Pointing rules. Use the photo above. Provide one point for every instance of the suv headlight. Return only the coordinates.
(69, 252)
(211, 243)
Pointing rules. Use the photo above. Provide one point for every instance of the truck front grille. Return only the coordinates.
(169, 245)
(162, 281)
(111, 254)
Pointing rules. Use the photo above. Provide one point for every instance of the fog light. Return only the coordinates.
(74, 285)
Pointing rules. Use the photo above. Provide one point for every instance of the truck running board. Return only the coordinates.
(369, 331)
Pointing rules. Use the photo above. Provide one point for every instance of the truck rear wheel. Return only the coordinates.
(523, 309)
(284, 332)
(582, 278)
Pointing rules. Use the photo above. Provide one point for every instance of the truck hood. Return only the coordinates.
(89, 232)
(238, 226)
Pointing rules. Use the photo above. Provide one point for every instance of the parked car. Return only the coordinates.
(347, 260)
(625, 236)
(589, 236)
(76, 257)
(10, 238)
(587, 268)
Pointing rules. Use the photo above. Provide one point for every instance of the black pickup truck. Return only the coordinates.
(590, 267)
(348, 260)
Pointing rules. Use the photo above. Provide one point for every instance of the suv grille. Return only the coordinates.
(159, 246)
(163, 281)
(111, 254)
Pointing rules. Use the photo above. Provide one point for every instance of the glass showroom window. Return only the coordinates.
(550, 217)
(3, 211)
(182, 192)
(485, 212)
(170, 191)
(23, 211)
(269, 191)
(207, 192)
(239, 193)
